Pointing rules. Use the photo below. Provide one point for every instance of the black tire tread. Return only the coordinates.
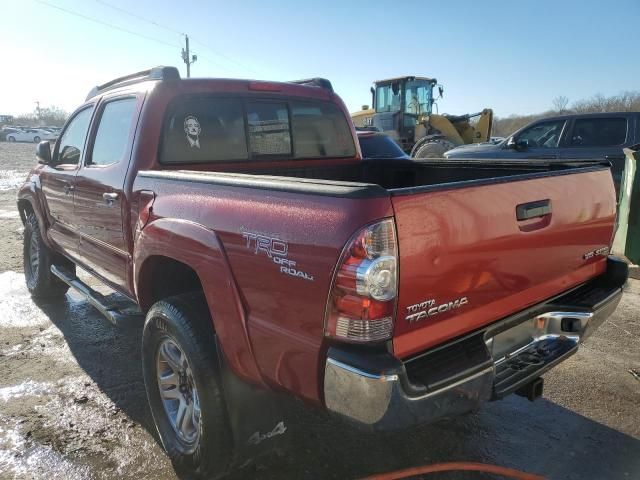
(188, 314)
(44, 284)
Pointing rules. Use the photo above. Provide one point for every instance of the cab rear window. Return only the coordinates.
(210, 128)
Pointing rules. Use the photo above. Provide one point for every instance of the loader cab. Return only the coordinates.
(400, 106)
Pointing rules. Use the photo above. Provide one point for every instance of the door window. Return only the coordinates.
(72, 141)
(599, 132)
(418, 98)
(543, 135)
(388, 98)
(113, 132)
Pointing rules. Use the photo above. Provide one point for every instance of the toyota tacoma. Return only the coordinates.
(266, 260)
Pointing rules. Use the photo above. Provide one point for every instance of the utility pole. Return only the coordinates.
(186, 58)
(38, 109)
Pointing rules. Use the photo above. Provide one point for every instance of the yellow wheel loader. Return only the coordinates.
(402, 108)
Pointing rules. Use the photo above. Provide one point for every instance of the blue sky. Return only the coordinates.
(512, 56)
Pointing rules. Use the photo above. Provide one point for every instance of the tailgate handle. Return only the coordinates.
(539, 208)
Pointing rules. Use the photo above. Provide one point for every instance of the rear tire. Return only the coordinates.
(11, 139)
(433, 148)
(37, 261)
(181, 371)
(36, 139)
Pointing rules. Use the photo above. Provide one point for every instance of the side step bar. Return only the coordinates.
(114, 313)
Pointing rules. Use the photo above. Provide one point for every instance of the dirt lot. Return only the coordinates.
(72, 400)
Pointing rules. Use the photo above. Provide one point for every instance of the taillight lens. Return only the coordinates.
(362, 301)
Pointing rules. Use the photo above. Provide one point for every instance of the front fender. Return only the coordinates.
(200, 248)
(30, 193)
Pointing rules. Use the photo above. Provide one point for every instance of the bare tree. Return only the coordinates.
(560, 103)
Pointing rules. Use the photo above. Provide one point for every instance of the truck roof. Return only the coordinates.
(171, 74)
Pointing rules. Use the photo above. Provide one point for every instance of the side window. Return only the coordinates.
(204, 129)
(543, 135)
(599, 132)
(320, 130)
(72, 141)
(113, 132)
(268, 128)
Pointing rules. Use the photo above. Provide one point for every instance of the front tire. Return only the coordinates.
(37, 261)
(36, 139)
(184, 385)
(11, 139)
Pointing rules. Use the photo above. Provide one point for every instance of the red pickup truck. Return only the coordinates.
(238, 219)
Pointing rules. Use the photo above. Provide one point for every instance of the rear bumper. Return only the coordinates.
(380, 392)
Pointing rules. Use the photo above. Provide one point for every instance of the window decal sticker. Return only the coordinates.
(192, 129)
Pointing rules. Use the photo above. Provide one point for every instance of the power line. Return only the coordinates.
(139, 17)
(170, 29)
(224, 56)
(106, 24)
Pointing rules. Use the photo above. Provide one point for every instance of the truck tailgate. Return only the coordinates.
(466, 260)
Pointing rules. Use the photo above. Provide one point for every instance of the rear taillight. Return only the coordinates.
(362, 301)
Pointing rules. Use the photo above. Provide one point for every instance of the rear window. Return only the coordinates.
(599, 132)
(320, 130)
(210, 128)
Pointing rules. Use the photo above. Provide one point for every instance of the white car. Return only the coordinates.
(34, 135)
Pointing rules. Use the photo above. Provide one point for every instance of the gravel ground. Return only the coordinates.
(73, 406)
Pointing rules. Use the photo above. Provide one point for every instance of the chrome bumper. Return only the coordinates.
(379, 392)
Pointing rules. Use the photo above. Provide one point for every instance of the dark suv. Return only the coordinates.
(584, 137)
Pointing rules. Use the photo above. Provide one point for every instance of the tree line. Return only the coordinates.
(47, 116)
(623, 102)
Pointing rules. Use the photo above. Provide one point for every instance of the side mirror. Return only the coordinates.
(514, 144)
(43, 152)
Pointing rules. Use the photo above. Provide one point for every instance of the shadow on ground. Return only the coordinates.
(539, 437)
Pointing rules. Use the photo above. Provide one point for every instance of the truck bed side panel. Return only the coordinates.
(284, 311)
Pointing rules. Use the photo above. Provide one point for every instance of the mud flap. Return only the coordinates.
(256, 416)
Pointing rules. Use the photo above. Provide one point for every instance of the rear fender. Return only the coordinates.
(199, 248)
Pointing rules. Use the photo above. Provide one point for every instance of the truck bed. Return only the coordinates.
(396, 176)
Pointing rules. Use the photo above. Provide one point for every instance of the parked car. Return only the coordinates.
(6, 131)
(600, 136)
(376, 145)
(264, 259)
(35, 135)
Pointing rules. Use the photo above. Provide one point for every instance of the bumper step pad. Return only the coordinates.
(529, 363)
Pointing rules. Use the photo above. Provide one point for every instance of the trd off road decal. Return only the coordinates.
(277, 250)
(192, 129)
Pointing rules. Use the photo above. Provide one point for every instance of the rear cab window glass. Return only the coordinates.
(211, 128)
(112, 136)
(204, 129)
(599, 132)
(71, 145)
(269, 131)
(320, 130)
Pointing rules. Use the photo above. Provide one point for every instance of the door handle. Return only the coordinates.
(540, 208)
(68, 188)
(110, 197)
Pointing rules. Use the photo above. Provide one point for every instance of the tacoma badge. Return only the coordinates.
(428, 308)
